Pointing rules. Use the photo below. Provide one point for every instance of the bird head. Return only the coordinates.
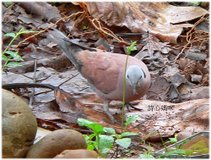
(135, 77)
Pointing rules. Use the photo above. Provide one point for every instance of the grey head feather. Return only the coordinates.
(135, 76)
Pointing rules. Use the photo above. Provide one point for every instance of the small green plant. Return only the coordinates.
(176, 151)
(131, 48)
(171, 140)
(131, 119)
(148, 154)
(169, 153)
(12, 58)
(103, 139)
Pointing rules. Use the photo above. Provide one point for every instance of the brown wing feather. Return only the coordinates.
(100, 69)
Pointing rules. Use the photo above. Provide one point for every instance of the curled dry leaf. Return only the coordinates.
(160, 19)
(66, 101)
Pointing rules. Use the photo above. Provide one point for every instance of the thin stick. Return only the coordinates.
(124, 93)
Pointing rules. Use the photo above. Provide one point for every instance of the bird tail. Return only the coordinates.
(68, 47)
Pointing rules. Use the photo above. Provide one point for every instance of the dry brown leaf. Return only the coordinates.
(153, 44)
(66, 101)
(170, 118)
(41, 9)
(157, 18)
(158, 89)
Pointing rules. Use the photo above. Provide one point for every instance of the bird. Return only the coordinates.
(105, 71)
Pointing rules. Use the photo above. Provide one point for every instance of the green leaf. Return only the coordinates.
(131, 119)
(125, 134)
(105, 151)
(91, 136)
(124, 142)
(173, 140)
(5, 58)
(90, 144)
(105, 142)
(146, 156)
(18, 58)
(90, 147)
(132, 47)
(13, 64)
(95, 127)
(10, 35)
(84, 122)
(24, 31)
(14, 55)
(11, 53)
(109, 130)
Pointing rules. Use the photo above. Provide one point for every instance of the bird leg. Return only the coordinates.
(106, 110)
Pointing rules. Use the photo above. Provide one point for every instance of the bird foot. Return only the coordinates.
(111, 117)
(128, 105)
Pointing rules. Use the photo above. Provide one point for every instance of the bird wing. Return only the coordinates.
(101, 69)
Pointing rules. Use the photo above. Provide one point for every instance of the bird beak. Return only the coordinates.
(133, 86)
(134, 90)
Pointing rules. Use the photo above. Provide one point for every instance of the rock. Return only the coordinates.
(79, 153)
(56, 142)
(19, 126)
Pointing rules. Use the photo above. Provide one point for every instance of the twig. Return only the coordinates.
(194, 26)
(106, 31)
(31, 100)
(68, 79)
(44, 92)
(38, 80)
(27, 85)
(189, 38)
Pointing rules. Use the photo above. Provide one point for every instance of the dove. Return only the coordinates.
(105, 71)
